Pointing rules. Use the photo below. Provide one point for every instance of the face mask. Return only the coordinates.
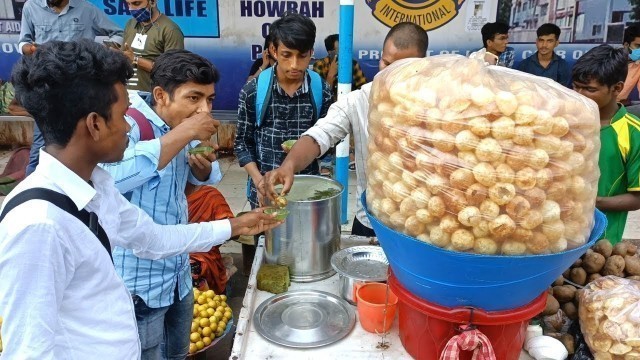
(635, 55)
(141, 15)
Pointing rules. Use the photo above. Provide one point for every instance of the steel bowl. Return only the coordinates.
(359, 265)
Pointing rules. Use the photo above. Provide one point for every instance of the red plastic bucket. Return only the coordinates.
(426, 327)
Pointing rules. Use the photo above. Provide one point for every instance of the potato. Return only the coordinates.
(552, 306)
(593, 277)
(569, 343)
(579, 276)
(603, 247)
(559, 281)
(569, 308)
(614, 266)
(632, 265)
(620, 249)
(593, 262)
(632, 249)
(577, 263)
(564, 293)
(636, 278)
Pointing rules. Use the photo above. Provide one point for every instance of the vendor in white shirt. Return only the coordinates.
(60, 295)
(348, 114)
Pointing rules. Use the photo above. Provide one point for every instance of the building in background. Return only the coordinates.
(528, 15)
(595, 25)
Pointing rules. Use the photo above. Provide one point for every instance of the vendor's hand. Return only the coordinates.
(201, 126)
(283, 175)
(128, 52)
(201, 164)
(253, 223)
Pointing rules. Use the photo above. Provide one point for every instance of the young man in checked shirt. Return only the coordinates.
(290, 111)
(154, 173)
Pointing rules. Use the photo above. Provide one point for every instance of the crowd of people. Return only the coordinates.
(135, 172)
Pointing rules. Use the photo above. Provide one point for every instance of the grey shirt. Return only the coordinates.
(79, 20)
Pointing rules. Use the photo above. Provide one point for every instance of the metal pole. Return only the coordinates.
(345, 31)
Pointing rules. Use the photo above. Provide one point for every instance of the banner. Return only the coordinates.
(196, 18)
(231, 33)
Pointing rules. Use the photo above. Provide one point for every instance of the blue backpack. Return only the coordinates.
(265, 86)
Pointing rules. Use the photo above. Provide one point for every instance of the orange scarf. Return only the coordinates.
(207, 204)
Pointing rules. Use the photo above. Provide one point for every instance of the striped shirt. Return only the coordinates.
(160, 193)
(619, 166)
(286, 118)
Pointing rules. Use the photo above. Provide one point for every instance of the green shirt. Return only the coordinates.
(619, 166)
(162, 35)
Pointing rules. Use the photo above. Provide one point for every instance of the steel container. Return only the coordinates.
(311, 233)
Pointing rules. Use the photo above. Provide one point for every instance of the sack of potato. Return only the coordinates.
(481, 159)
(610, 318)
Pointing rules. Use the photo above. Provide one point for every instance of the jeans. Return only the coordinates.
(34, 154)
(164, 332)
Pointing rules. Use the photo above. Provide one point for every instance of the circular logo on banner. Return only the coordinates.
(429, 14)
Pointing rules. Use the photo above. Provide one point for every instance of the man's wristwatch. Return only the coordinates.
(135, 61)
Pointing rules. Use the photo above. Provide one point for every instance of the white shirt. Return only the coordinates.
(60, 296)
(348, 114)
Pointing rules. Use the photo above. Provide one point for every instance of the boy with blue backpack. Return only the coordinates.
(281, 103)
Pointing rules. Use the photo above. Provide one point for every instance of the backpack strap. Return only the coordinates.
(264, 86)
(316, 93)
(146, 131)
(90, 219)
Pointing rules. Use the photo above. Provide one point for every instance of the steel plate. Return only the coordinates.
(364, 263)
(304, 319)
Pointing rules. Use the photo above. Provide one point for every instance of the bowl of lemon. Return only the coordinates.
(212, 320)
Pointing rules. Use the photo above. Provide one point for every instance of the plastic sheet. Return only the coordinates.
(481, 159)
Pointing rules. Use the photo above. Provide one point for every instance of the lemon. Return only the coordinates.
(207, 331)
(194, 337)
(228, 315)
(204, 314)
(213, 320)
(216, 298)
(218, 314)
(192, 348)
(194, 326)
(221, 308)
(210, 311)
(210, 294)
(204, 322)
(199, 345)
(202, 300)
(223, 297)
(206, 341)
(219, 332)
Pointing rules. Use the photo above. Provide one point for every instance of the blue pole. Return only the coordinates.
(344, 87)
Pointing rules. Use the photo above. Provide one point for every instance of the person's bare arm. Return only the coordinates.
(624, 202)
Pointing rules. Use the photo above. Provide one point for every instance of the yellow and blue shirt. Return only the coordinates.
(619, 166)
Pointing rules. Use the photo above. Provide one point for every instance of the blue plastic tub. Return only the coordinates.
(489, 282)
